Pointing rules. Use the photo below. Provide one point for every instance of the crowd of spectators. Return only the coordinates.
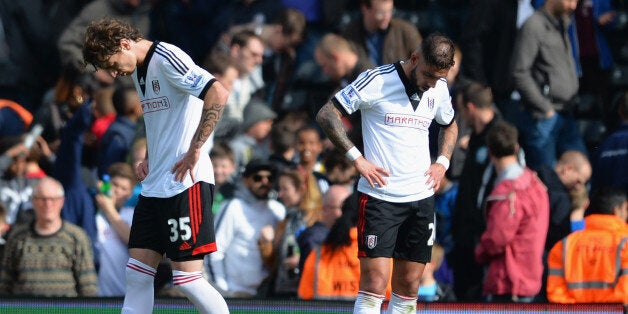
(285, 203)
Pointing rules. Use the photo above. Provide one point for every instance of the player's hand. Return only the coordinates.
(141, 170)
(186, 164)
(435, 175)
(373, 174)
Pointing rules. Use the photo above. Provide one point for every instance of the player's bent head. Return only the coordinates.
(102, 40)
(438, 50)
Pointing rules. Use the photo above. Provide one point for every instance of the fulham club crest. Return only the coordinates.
(430, 103)
(371, 241)
(156, 86)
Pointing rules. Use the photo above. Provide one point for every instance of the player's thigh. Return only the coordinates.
(417, 233)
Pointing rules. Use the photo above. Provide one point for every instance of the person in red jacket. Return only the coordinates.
(517, 219)
(589, 266)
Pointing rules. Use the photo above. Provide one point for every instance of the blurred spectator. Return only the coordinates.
(113, 224)
(136, 156)
(224, 68)
(309, 147)
(339, 169)
(571, 174)
(283, 146)
(237, 267)
(224, 164)
(487, 41)
(4, 228)
(78, 207)
(430, 289)
(444, 205)
(475, 105)
(247, 49)
(282, 256)
(30, 30)
(378, 36)
(517, 214)
(545, 76)
(338, 60)
(51, 256)
(610, 166)
(68, 94)
(586, 266)
(16, 189)
(314, 235)
(117, 140)
(332, 271)
(14, 119)
(70, 44)
(253, 142)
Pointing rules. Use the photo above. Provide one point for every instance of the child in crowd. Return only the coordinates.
(430, 289)
(224, 163)
(113, 224)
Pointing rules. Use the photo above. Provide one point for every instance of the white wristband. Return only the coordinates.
(353, 153)
(443, 161)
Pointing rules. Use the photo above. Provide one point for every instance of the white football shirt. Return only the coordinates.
(395, 123)
(171, 89)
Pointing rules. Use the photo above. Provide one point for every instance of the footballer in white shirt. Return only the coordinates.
(397, 102)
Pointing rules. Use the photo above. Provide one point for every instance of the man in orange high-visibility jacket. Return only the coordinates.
(591, 265)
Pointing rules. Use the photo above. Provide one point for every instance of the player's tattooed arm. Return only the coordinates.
(329, 118)
(447, 139)
(209, 118)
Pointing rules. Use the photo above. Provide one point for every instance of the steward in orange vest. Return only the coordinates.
(591, 265)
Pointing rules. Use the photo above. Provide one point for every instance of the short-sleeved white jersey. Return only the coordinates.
(171, 89)
(395, 122)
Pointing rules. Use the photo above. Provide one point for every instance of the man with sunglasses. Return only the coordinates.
(237, 268)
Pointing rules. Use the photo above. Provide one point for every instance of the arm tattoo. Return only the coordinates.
(447, 139)
(329, 119)
(209, 119)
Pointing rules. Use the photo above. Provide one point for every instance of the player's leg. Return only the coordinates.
(188, 278)
(378, 222)
(144, 256)
(140, 275)
(412, 251)
(193, 239)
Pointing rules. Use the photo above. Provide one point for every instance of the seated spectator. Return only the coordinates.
(587, 266)
(430, 289)
(113, 224)
(50, 257)
(252, 142)
(332, 271)
(517, 216)
(314, 235)
(237, 267)
(224, 165)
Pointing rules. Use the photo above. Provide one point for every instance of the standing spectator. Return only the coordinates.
(545, 76)
(378, 36)
(487, 41)
(51, 256)
(475, 105)
(517, 215)
(237, 267)
(16, 189)
(612, 156)
(586, 266)
(113, 224)
(339, 60)
(173, 215)
(118, 139)
(309, 147)
(398, 103)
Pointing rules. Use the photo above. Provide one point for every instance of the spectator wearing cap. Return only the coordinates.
(253, 140)
(244, 222)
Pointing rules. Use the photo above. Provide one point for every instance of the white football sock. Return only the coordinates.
(401, 305)
(200, 292)
(368, 303)
(139, 297)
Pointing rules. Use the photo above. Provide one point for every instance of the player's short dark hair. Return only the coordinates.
(501, 139)
(606, 199)
(438, 50)
(102, 40)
